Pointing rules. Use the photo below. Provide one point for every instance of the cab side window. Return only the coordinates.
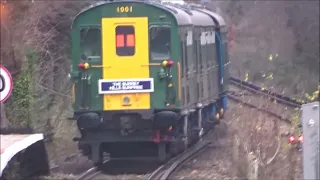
(160, 40)
(90, 43)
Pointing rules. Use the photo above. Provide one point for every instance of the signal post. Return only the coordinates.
(310, 146)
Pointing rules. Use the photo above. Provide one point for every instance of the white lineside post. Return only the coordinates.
(3, 119)
(33, 159)
(310, 146)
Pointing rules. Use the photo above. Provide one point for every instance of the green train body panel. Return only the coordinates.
(184, 103)
(92, 18)
(212, 57)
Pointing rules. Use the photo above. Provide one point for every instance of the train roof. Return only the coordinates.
(216, 16)
(185, 14)
(188, 16)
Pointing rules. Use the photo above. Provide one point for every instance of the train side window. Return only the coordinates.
(225, 50)
(206, 56)
(189, 51)
(215, 54)
(203, 51)
(182, 58)
(200, 48)
(195, 55)
(160, 41)
(211, 49)
(199, 55)
(186, 55)
(125, 40)
(90, 43)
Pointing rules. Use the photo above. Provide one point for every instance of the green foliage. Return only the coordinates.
(268, 75)
(22, 94)
(22, 97)
(296, 122)
(31, 57)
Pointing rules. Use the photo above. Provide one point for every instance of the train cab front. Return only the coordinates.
(122, 92)
(113, 86)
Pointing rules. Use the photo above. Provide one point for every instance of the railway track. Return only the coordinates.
(247, 94)
(89, 174)
(161, 173)
(261, 91)
(253, 96)
(166, 170)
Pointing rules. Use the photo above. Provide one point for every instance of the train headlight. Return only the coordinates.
(84, 65)
(164, 63)
(126, 100)
(217, 116)
(221, 111)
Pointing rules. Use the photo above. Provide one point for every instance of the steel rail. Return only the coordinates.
(176, 165)
(232, 97)
(164, 171)
(259, 90)
(90, 173)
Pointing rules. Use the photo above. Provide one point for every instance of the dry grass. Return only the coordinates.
(256, 147)
(59, 176)
(278, 28)
(261, 143)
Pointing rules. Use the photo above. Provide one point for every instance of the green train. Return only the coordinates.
(147, 74)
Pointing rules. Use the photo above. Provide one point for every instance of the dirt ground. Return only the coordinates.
(214, 163)
(243, 132)
(249, 134)
(64, 158)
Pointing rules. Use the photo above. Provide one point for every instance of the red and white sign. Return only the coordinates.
(6, 84)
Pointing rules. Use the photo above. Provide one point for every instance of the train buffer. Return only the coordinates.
(31, 151)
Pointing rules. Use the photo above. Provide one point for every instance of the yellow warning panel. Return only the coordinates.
(125, 45)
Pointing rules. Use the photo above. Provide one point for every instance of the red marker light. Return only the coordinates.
(81, 65)
(84, 65)
(119, 40)
(292, 139)
(170, 63)
(130, 40)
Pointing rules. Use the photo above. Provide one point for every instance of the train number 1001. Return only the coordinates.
(124, 9)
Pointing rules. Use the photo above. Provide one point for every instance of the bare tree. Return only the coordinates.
(44, 28)
(287, 30)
